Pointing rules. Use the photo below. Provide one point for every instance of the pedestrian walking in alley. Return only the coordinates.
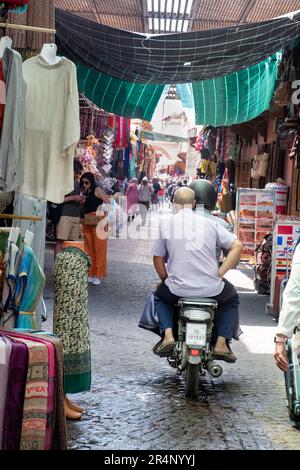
(195, 272)
(161, 196)
(95, 247)
(132, 195)
(145, 192)
(155, 190)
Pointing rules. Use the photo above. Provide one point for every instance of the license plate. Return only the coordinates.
(196, 334)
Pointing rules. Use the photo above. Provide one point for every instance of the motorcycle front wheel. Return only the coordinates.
(192, 380)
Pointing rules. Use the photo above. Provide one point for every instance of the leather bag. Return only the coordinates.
(149, 319)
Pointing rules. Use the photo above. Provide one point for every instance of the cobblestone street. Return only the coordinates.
(138, 402)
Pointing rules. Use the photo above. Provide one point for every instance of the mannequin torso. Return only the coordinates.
(48, 53)
(4, 43)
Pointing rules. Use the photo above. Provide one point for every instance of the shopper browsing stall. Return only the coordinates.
(95, 246)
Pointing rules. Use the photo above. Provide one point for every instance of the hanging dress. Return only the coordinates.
(70, 317)
(30, 284)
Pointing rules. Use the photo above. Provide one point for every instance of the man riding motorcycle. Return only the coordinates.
(192, 270)
(206, 199)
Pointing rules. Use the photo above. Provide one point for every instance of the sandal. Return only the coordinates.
(164, 348)
(225, 356)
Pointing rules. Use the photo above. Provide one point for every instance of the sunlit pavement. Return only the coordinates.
(138, 402)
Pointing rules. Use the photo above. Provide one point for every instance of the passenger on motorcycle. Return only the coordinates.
(188, 240)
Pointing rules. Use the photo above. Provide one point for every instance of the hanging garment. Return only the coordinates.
(203, 166)
(230, 165)
(57, 419)
(27, 205)
(52, 128)
(13, 129)
(30, 284)
(70, 317)
(11, 263)
(2, 96)
(121, 134)
(298, 191)
(127, 161)
(5, 353)
(17, 374)
(86, 122)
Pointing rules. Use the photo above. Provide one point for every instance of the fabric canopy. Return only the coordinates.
(132, 100)
(171, 58)
(238, 97)
(185, 92)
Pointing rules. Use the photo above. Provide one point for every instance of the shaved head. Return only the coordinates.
(184, 196)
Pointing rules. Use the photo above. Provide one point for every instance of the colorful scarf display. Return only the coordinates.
(34, 417)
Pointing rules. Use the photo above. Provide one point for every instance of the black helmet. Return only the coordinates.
(205, 193)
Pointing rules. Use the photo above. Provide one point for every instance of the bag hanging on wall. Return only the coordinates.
(263, 165)
(255, 166)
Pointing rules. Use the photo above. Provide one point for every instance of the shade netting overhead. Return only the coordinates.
(171, 58)
(133, 100)
(238, 97)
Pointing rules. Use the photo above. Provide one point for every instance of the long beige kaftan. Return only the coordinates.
(52, 128)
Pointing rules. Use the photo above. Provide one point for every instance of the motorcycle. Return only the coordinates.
(292, 379)
(193, 352)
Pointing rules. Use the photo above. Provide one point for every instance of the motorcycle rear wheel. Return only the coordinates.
(192, 380)
(290, 389)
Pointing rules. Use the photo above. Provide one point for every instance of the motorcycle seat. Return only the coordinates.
(197, 301)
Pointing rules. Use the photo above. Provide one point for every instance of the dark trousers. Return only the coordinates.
(227, 318)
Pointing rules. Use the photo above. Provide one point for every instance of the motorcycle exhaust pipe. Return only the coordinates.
(215, 370)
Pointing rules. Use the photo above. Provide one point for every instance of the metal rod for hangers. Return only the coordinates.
(27, 28)
(20, 217)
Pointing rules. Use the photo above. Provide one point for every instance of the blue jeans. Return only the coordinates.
(227, 319)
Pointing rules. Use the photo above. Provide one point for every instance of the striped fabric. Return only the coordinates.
(171, 58)
(34, 424)
(238, 97)
(132, 100)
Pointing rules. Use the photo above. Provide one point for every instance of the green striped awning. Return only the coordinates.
(132, 100)
(238, 97)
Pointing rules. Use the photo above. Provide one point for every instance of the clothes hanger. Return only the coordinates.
(5, 42)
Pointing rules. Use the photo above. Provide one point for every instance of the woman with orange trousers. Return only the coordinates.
(95, 246)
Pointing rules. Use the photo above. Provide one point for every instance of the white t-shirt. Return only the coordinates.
(289, 316)
(190, 241)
